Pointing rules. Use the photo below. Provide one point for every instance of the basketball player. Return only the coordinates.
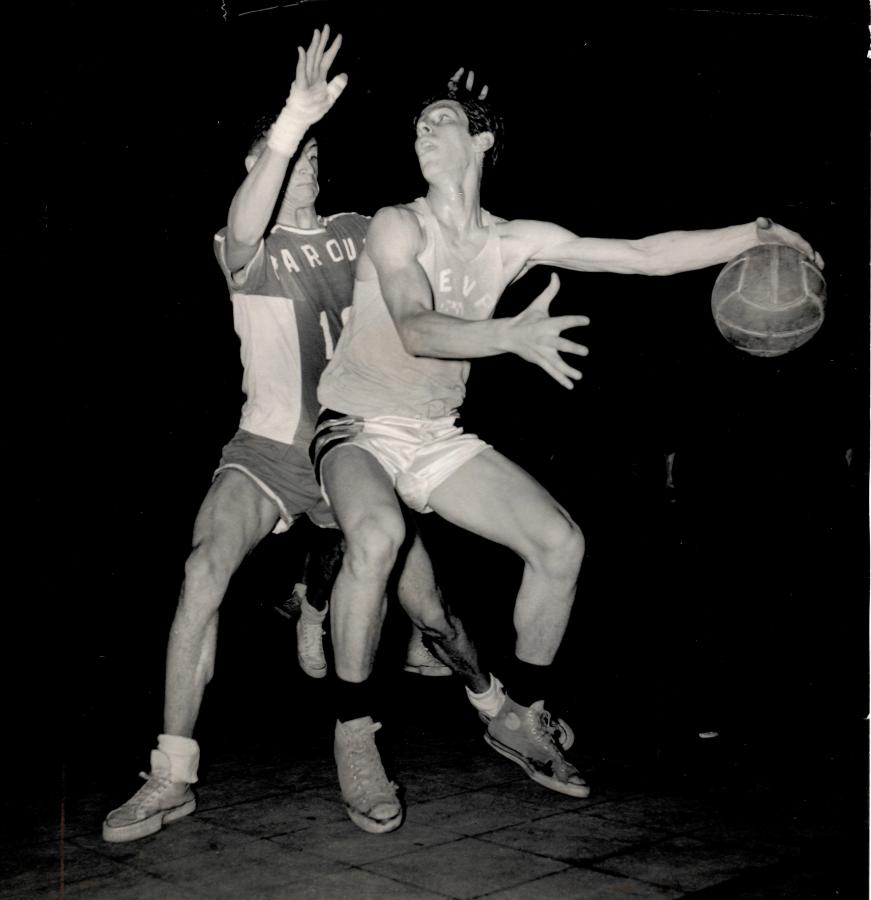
(425, 289)
(289, 288)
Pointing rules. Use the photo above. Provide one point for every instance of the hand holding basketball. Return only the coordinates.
(769, 232)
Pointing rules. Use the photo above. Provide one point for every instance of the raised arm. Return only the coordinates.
(657, 254)
(393, 242)
(311, 96)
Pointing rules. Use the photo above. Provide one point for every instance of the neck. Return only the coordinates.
(456, 203)
(297, 216)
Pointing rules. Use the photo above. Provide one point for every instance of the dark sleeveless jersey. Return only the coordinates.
(288, 305)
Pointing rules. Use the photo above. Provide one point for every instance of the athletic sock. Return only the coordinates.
(490, 701)
(183, 754)
(309, 613)
(528, 682)
(353, 700)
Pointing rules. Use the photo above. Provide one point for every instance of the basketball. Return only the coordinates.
(769, 300)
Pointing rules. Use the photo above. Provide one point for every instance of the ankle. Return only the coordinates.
(183, 754)
(489, 701)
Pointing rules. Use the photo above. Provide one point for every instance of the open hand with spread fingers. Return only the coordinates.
(311, 95)
(536, 336)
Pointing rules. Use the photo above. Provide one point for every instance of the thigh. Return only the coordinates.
(358, 488)
(234, 516)
(495, 498)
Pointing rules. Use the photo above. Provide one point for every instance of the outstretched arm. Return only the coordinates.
(658, 254)
(311, 96)
(393, 242)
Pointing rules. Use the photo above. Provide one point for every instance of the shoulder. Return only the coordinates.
(524, 228)
(523, 240)
(492, 219)
(348, 219)
(399, 225)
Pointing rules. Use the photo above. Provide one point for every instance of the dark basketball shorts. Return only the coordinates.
(417, 454)
(283, 472)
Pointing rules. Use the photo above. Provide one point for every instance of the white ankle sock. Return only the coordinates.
(489, 701)
(184, 756)
(310, 614)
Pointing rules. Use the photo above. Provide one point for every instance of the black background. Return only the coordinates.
(620, 121)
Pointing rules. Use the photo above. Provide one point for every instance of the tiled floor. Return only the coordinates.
(707, 819)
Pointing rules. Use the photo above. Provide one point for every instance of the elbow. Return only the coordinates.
(413, 335)
(650, 261)
(411, 340)
(244, 239)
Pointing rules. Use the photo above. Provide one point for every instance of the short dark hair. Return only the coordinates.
(481, 114)
(259, 132)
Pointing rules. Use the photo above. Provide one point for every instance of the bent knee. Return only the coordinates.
(373, 542)
(560, 544)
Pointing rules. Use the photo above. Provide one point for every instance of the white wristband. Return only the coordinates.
(286, 133)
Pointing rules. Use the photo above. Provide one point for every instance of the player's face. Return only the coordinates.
(302, 184)
(443, 141)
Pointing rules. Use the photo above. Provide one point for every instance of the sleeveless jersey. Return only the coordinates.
(372, 374)
(288, 304)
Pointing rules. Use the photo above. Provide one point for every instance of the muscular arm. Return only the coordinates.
(252, 207)
(657, 254)
(311, 96)
(393, 242)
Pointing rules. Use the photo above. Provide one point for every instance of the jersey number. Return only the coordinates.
(329, 346)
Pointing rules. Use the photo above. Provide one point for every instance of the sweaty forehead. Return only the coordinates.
(444, 104)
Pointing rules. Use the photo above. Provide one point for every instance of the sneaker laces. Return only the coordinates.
(367, 774)
(155, 783)
(543, 728)
(311, 634)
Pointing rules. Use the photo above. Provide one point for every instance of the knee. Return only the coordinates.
(434, 621)
(206, 576)
(372, 544)
(561, 546)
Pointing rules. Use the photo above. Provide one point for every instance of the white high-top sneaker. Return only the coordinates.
(370, 797)
(157, 803)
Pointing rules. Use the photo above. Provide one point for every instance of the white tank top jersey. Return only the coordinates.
(371, 373)
(288, 305)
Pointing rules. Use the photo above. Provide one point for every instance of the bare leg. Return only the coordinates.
(496, 499)
(370, 517)
(422, 600)
(234, 517)
(493, 497)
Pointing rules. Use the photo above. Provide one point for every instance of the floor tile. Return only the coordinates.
(583, 884)
(345, 842)
(139, 887)
(185, 837)
(34, 868)
(354, 884)
(673, 813)
(465, 868)
(686, 864)
(474, 812)
(254, 869)
(572, 837)
(280, 814)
